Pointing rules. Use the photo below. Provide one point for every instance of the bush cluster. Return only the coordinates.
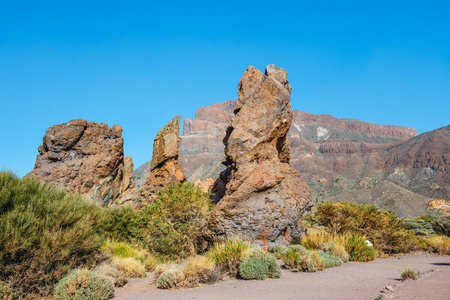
(384, 229)
(44, 233)
(429, 225)
(229, 254)
(83, 284)
(259, 266)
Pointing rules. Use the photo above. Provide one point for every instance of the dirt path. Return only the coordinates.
(349, 281)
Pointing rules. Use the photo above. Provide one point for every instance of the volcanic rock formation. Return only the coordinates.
(87, 158)
(165, 168)
(262, 197)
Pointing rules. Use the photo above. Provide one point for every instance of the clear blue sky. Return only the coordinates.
(140, 63)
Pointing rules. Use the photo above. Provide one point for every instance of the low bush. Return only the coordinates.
(44, 233)
(229, 254)
(291, 256)
(259, 266)
(408, 273)
(130, 267)
(429, 225)
(126, 250)
(330, 260)
(116, 277)
(336, 249)
(384, 229)
(439, 244)
(170, 279)
(199, 269)
(174, 221)
(82, 285)
(358, 249)
(277, 250)
(311, 261)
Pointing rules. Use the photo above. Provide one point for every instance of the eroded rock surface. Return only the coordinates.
(262, 197)
(165, 168)
(86, 158)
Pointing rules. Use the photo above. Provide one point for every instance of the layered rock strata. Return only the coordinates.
(87, 158)
(165, 168)
(260, 197)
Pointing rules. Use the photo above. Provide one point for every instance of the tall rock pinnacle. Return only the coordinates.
(260, 196)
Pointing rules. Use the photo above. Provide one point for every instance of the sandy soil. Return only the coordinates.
(349, 281)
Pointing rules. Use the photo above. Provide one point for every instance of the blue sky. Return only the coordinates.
(140, 63)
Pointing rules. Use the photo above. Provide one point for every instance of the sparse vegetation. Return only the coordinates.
(116, 277)
(130, 266)
(82, 285)
(408, 273)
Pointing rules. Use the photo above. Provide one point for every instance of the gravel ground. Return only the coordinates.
(349, 281)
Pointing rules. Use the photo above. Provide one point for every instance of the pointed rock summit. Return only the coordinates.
(259, 196)
(86, 158)
(165, 168)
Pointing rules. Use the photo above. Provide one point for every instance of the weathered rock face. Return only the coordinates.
(263, 197)
(87, 158)
(165, 168)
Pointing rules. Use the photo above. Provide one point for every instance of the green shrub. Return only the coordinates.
(311, 261)
(229, 254)
(384, 229)
(291, 256)
(84, 285)
(277, 250)
(330, 260)
(174, 221)
(358, 249)
(259, 266)
(116, 277)
(335, 249)
(429, 225)
(170, 279)
(44, 233)
(120, 223)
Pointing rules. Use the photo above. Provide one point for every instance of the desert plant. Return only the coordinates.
(126, 250)
(44, 233)
(173, 222)
(199, 269)
(229, 254)
(439, 243)
(311, 261)
(116, 277)
(291, 256)
(259, 266)
(330, 260)
(130, 267)
(170, 279)
(384, 229)
(358, 249)
(120, 223)
(82, 284)
(336, 249)
(315, 238)
(277, 250)
(408, 273)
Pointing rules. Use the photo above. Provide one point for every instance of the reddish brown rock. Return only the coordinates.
(165, 168)
(86, 158)
(263, 197)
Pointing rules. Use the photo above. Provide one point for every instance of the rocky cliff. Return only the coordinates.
(87, 158)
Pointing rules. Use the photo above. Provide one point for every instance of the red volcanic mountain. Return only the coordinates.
(340, 159)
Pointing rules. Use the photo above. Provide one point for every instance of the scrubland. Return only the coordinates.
(54, 244)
